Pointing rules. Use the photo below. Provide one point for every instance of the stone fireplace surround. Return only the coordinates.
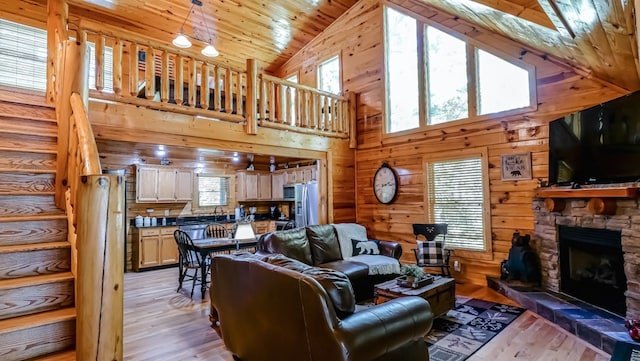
(576, 213)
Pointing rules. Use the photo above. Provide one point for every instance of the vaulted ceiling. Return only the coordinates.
(597, 37)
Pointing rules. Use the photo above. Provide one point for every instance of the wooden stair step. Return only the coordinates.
(30, 143)
(29, 295)
(33, 217)
(19, 114)
(33, 231)
(59, 356)
(19, 160)
(24, 125)
(27, 183)
(16, 204)
(36, 259)
(35, 107)
(38, 335)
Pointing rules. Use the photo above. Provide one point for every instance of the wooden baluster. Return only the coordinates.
(117, 66)
(239, 101)
(150, 74)
(165, 86)
(204, 86)
(263, 101)
(193, 81)
(134, 49)
(315, 108)
(334, 115)
(252, 96)
(99, 69)
(178, 86)
(280, 103)
(339, 123)
(218, 89)
(288, 119)
(327, 113)
(271, 100)
(298, 107)
(228, 92)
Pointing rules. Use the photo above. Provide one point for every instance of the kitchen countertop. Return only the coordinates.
(204, 220)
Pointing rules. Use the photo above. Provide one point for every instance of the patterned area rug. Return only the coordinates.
(461, 332)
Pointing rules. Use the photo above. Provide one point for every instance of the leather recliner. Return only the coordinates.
(268, 312)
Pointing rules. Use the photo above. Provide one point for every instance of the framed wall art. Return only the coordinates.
(516, 166)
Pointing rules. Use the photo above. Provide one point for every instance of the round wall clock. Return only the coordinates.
(385, 184)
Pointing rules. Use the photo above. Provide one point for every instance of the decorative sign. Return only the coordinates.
(516, 166)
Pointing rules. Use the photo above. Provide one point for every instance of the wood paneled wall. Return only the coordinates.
(561, 89)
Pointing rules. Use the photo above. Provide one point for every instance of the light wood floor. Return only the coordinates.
(160, 324)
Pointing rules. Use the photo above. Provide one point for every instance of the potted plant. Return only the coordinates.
(412, 272)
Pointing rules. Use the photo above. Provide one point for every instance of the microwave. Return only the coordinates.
(289, 192)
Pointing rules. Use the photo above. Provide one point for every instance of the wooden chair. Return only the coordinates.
(189, 260)
(289, 225)
(432, 252)
(216, 230)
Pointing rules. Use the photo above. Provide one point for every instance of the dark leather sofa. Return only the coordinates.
(272, 308)
(318, 245)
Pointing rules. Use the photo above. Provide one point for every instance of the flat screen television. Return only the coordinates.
(597, 145)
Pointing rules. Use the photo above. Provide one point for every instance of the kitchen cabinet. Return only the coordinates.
(301, 174)
(153, 246)
(163, 184)
(277, 184)
(262, 227)
(253, 186)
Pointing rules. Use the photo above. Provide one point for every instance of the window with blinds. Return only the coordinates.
(107, 67)
(456, 197)
(212, 191)
(23, 56)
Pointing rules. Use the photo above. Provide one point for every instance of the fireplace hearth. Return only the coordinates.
(592, 267)
(603, 266)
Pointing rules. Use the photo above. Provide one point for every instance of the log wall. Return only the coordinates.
(358, 38)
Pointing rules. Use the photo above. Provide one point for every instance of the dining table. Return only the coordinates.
(206, 246)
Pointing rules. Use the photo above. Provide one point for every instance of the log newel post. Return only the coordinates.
(351, 119)
(100, 244)
(252, 97)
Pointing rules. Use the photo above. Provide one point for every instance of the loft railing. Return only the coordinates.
(132, 69)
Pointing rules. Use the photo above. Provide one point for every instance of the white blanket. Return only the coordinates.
(379, 265)
(346, 232)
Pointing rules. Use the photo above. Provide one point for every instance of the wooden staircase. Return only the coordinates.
(37, 307)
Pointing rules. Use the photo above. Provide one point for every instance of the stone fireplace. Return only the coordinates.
(581, 254)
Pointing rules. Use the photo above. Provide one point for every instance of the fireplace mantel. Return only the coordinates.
(601, 199)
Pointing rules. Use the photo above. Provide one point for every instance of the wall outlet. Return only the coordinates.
(456, 266)
(166, 213)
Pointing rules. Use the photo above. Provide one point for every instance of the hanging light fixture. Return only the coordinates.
(182, 39)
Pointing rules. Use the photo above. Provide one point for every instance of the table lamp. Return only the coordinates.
(244, 231)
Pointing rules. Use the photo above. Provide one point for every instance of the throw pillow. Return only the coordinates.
(324, 243)
(430, 252)
(365, 247)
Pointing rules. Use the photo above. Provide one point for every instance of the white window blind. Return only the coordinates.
(107, 67)
(456, 197)
(23, 56)
(212, 190)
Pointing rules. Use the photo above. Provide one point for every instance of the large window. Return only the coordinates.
(329, 75)
(402, 71)
(212, 190)
(456, 190)
(428, 73)
(23, 56)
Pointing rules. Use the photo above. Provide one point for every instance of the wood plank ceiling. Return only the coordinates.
(596, 37)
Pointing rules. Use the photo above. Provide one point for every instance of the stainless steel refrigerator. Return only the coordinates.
(306, 203)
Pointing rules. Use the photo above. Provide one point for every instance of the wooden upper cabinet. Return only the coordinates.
(277, 183)
(184, 185)
(264, 187)
(163, 184)
(251, 185)
(146, 184)
(166, 184)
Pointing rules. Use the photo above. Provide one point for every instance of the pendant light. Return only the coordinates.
(182, 40)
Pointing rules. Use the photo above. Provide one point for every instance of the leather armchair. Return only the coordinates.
(266, 312)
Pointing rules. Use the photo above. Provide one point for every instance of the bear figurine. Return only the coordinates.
(523, 262)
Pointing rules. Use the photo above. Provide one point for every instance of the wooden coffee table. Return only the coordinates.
(441, 294)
